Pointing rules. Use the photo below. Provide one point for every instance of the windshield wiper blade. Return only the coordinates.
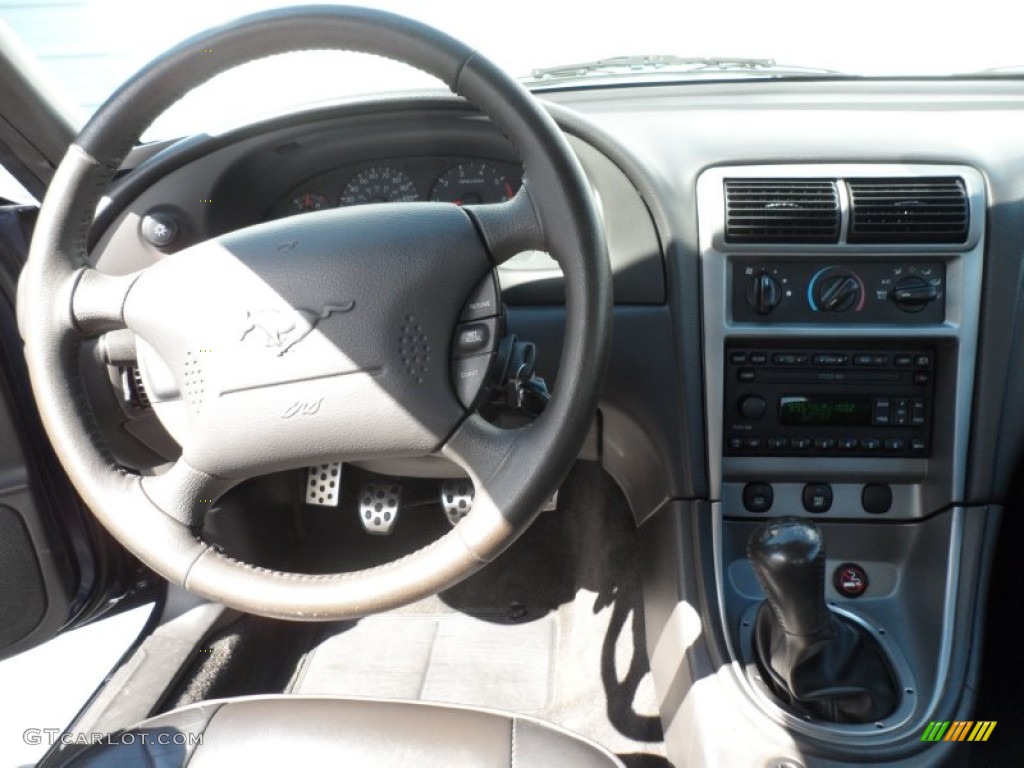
(617, 65)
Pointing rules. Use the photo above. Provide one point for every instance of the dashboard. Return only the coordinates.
(780, 346)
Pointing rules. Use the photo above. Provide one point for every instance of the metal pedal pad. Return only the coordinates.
(379, 506)
(457, 499)
(323, 485)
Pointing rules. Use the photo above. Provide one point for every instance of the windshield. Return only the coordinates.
(89, 47)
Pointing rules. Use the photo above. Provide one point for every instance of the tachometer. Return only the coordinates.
(472, 183)
(379, 184)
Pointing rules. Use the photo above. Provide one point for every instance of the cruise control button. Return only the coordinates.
(473, 338)
(482, 302)
(468, 375)
(758, 497)
(817, 497)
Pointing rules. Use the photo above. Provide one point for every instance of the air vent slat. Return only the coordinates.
(890, 211)
(781, 211)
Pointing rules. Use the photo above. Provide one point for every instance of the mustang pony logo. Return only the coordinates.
(286, 328)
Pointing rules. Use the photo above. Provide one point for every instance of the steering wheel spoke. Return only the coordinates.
(98, 299)
(509, 228)
(185, 493)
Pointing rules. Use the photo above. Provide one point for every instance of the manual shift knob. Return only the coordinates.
(788, 557)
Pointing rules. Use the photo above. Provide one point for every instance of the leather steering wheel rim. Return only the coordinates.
(62, 301)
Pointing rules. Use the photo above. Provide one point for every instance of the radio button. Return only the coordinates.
(736, 443)
(754, 443)
(758, 358)
(745, 374)
(817, 497)
(801, 443)
(848, 444)
(917, 413)
(777, 443)
(882, 413)
(825, 443)
(738, 358)
(870, 444)
(829, 358)
(922, 377)
(923, 361)
(758, 497)
(789, 358)
(903, 361)
(752, 407)
(895, 445)
(874, 360)
(918, 445)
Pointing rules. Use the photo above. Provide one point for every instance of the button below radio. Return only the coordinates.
(870, 444)
(824, 443)
(876, 498)
(817, 497)
(777, 443)
(895, 445)
(848, 443)
(758, 497)
(831, 359)
(801, 443)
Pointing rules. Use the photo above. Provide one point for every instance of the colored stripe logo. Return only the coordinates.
(959, 730)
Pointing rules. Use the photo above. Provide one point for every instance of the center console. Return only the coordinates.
(840, 310)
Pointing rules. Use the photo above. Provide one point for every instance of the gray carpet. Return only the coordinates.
(553, 628)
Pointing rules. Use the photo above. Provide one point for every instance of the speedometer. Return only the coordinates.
(471, 184)
(379, 184)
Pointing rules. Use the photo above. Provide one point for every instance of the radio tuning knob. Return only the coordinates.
(837, 290)
(763, 293)
(913, 293)
(752, 407)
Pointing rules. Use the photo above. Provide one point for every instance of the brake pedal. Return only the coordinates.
(323, 485)
(379, 506)
(457, 499)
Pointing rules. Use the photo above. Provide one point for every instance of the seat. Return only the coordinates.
(281, 730)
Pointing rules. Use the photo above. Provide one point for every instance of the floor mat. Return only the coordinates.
(450, 659)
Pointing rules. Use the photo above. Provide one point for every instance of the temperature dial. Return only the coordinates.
(835, 289)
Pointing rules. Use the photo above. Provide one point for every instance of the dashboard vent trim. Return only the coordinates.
(781, 211)
(908, 210)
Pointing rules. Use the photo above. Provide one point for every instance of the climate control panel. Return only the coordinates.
(821, 292)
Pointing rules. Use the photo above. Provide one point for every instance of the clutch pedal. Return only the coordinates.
(323, 485)
(379, 506)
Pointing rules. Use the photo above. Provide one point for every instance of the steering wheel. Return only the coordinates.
(366, 280)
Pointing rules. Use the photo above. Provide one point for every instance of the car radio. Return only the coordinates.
(829, 399)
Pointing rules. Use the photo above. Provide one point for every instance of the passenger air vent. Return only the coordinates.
(925, 210)
(781, 211)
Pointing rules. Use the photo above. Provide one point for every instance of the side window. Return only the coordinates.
(12, 191)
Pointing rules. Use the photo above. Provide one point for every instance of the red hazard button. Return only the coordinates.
(850, 580)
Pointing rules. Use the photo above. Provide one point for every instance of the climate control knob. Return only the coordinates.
(763, 293)
(913, 293)
(836, 290)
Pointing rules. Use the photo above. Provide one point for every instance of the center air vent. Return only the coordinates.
(781, 211)
(919, 210)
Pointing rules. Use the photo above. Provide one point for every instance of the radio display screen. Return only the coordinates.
(825, 411)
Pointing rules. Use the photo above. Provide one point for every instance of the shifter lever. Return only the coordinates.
(788, 557)
(816, 661)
